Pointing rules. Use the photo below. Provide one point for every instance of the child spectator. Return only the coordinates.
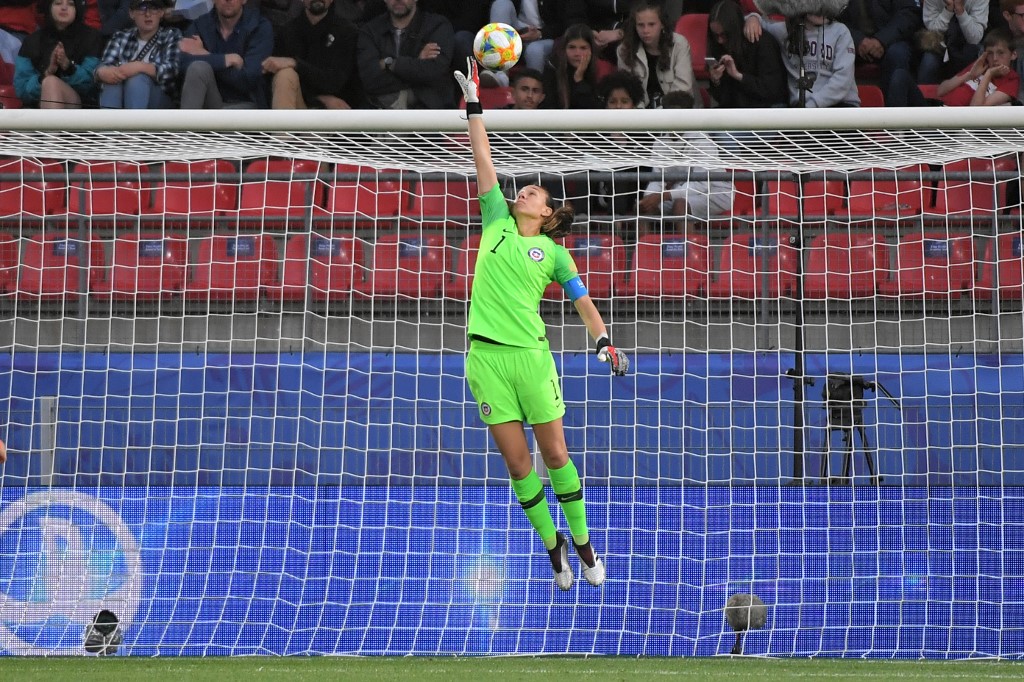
(139, 68)
(527, 89)
(990, 80)
(570, 78)
(55, 66)
(658, 56)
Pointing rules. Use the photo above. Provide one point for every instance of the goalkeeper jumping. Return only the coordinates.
(509, 368)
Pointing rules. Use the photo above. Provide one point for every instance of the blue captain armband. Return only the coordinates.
(575, 288)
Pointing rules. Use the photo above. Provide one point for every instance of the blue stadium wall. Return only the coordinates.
(251, 549)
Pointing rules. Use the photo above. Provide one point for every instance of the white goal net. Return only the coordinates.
(236, 415)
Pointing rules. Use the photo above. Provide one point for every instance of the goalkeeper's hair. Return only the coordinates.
(559, 223)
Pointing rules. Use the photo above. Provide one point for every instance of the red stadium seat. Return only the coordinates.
(816, 198)
(441, 202)
(279, 190)
(463, 264)
(32, 188)
(841, 265)
(232, 267)
(143, 267)
(52, 266)
(105, 188)
(749, 263)
(9, 257)
(968, 188)
(933, 265)
(601, 260)
(9, 98)
(669, 266)
(897, 197)
(1009, 265)
(405, 266)
(322, 266)
(357, 192)
(694, 27)
(870, 95)
(192, 189)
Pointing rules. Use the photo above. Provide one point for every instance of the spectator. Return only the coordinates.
(570, 78)
(226, 72)
(653, 52)
(882, 32)
(314, 63)
(695, 195)
(746, 74)
(527, 89)
(1013, 13)
(990, 81)
(405, 57)
(539, 23)
(618, 195)
(607, 19)
(827, 52)
(139, 68)
(55, 65)
(951, 37)
(621, 90)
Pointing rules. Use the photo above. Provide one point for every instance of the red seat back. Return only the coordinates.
(1009, 260)
(406, 266)
(934, 265)
(357, 192)
(31, 188)
(52, 266)
(694, 27)
(148, 266)
(842, 265)
(280, 188)
(192, 188)
(232, 267)
(105, 188)
(670, 266)
(321, 265)
(752, 267)
(464, 257)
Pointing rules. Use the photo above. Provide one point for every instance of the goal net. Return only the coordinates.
(236, 415)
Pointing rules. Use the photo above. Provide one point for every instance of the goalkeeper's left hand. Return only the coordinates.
(606, 352)
(470, 84)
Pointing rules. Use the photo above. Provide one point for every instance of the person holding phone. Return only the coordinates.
(654, 53)
(743, 74)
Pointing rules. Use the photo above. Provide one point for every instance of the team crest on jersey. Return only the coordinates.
(536, 254)
(486, 409)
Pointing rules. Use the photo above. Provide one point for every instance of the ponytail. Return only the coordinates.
(560, 222)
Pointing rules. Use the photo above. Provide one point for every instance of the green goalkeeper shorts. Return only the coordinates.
(513, 384)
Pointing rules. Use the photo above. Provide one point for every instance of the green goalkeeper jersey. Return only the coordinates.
(511, 274)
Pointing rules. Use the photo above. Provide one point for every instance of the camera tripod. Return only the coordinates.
(844, 399)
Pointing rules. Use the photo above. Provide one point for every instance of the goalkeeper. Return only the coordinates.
(509, 368)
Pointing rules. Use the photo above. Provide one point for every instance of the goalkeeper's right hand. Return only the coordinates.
(470, 84)
(606, 352)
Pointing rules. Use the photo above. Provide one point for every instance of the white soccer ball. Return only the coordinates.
(497, 47)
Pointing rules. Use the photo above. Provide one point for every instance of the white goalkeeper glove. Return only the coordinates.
(606, 352)
(470, 84)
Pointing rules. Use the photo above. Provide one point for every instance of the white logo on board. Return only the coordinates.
(64, 557)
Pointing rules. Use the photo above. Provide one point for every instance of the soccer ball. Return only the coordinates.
(497, 47)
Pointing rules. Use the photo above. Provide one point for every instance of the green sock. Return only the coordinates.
(530, 493)
(566, 484)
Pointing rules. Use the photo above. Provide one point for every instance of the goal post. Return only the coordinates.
(236, 413)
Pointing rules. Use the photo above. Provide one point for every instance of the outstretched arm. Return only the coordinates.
(486, 177)
(606, 352)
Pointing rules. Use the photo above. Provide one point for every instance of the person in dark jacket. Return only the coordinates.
(226, 73)
(314, 62)
(746, 74)
(883, 33)
(571, 77)
(405, 57)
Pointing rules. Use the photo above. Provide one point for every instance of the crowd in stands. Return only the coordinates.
(399, 54)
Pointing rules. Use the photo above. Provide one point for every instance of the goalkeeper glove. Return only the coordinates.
(606, 352)
(470, 84)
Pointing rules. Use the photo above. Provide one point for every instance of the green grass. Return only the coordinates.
(542, 669)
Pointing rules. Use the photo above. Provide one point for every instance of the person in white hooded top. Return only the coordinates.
(649, 48)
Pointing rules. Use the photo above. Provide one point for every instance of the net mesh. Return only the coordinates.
(236, 412)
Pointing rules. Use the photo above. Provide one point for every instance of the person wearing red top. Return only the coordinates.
(991, 80)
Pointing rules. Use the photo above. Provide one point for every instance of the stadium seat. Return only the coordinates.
(748, 263)
(966, 189)
(232, 267)
(463, 262)
(277, 191)
(357, 192)
(143, 267)
(444, 202)
(9, 257)
(27, 190)
(934, 265)
(870, 95)
(321, 265)
(694, 27)
(896, 197)
(816, 198)
(52, 267)
(601, 260)
(844, 265)
(405, 266)
(669, 266)
(9, 98)
(1010, 264)
(106, 188)
(192, 189)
